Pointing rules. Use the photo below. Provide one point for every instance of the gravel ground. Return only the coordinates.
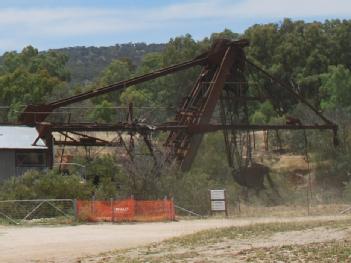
(67, 243)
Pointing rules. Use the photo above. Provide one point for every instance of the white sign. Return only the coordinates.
(217, 195)
(218, 202)
(218, 205)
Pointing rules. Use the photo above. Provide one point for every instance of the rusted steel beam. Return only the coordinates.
(258, 127)
(208, 107)
(122, 127)
(85, 143)
(291, 91)
(89, 137)
(66, 135)
(202, 100)
(190, 128)
(38, 113)
(242, 127)
(224, 64)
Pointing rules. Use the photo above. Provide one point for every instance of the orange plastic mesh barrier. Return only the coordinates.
(125, 210)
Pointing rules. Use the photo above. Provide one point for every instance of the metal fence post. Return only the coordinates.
(172, 209)
(93, 205)
(75, 209)
(166, 207)
(112, 210)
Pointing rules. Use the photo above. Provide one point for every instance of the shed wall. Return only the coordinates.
(7, 164)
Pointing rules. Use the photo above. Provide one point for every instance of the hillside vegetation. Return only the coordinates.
(86, 63)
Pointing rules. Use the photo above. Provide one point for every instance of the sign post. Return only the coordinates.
(218, 201)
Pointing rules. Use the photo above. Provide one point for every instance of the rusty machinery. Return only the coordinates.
(223, 82)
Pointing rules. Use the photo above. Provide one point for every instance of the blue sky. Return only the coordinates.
(62, 23)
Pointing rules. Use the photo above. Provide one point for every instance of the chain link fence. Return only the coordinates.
(37, 211)
(303, 201)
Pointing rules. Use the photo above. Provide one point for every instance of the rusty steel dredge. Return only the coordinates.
(223, 82)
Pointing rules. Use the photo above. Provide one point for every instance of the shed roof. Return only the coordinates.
(19, 137)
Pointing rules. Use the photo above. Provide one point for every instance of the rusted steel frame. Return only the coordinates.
(48, 108)
(194, 92)
(289, 89)
(37, 113)
(130, 114)
(63, 148)
(225, 133)
(202, 59)
(79, 127)
(269, 95)
(78, 143)
(126, 83)
(148, 143)
(175, 139)
(89, 137)
(65, 134)
(127, 149)
(207, 108)
(244, 127)
(230, 108)
(130, 120)
(189, 128)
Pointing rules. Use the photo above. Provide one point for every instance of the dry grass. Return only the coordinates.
(288, 211)
(334, 251)
(254, 243)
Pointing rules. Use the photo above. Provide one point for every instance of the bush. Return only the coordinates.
(42, 185)
(347, 191)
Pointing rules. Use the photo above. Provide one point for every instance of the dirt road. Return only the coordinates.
(67, 243)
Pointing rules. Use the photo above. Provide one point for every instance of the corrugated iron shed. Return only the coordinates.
(19, 137)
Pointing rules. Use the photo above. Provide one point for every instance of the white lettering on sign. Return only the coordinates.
(217, 195)
(121, 209)
(218, 205)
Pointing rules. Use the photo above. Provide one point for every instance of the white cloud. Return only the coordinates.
(295, 8)
(32, 23)
(94, 20)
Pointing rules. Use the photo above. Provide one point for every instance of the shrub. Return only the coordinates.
(40, 185)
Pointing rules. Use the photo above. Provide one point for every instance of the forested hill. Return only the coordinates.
(86, 63)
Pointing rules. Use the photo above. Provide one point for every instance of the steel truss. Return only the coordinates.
(223, 85)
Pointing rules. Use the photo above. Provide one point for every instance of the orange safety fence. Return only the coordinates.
(126, 210)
